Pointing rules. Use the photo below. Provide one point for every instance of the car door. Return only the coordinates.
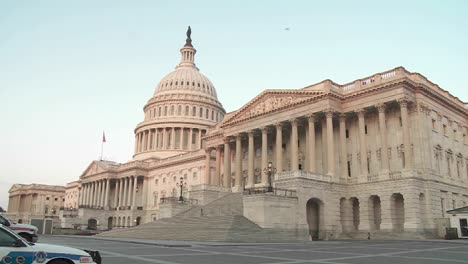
(13, 250)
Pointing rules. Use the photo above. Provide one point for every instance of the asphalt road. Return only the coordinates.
(331, 252)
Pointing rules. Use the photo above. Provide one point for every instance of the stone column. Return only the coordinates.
(279, 147)
(330, 146)
(143, 145)
(215, 180)
(181, 139)
(93, 194)
(173, 138)
(362, 143)
(125, 191)
(406, 136)
(250, 164)
(311, 122)
(145, 193)
(199, 139)
(189, 141)
(206, 179)
(129, 192)
(116, 191)
(164, 138)
(238, 181)
(136, 142)
(294, 146)
(98, 193)
(135, 185)
(343, 149)
(88, 189)
(383, 139)
(83, 200)
(106, 197)
(148, 143)
(264, 156)
(227, 164)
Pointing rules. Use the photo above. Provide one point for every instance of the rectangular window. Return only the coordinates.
(453, 204)
(349, 168)
(449, 171)
(368, 165)
(401, 121)
(194, 176)
(434, 124)
(258, 152)
(365, 129)
(445, 129)
(442, 207)
(347, 133)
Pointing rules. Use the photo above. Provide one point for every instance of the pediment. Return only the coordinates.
(272, 100)
(94, 168)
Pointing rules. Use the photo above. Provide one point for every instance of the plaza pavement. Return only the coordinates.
(118, 251)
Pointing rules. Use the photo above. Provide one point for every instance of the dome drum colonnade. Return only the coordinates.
(223, 151)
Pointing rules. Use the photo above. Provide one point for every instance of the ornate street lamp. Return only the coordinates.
(269, 172)
(182, 185)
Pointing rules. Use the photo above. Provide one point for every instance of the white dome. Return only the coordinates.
(186, 80)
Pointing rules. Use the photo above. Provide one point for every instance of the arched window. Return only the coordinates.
(201, 112)
(186, 110)
(207, 113)
(194, 111)
(179, 110)
(212, 115)
(172, 110)
(159, 111)
(165, 110)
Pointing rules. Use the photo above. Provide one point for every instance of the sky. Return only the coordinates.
(71, 69)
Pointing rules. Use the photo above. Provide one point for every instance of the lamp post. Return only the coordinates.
(269, 172)
(182, 185)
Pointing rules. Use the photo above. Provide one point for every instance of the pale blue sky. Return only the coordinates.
(69, 69)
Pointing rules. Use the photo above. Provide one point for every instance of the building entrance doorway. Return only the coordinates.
(314, 206)
(464, 227)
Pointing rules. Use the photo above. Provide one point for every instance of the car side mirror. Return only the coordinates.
(6, 223)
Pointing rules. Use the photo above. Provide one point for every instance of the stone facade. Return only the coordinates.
(72, 191)
(34, 201)
(383, 154)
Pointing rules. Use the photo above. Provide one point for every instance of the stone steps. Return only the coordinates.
(222, 220)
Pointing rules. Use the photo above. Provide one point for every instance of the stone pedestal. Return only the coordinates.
(168, 210)
(206, 193)
(270, 211)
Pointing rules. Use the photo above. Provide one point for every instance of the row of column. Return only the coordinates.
(294, 154)
(95, 194)
(125, 192)
(165, 138)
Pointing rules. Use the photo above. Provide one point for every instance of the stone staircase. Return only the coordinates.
(220, 220)
(230, 204)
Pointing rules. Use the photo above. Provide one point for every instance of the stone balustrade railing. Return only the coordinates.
(302, 174)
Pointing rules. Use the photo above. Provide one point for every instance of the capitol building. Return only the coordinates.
(385, 155)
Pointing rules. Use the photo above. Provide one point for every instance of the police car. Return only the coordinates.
(15, 250)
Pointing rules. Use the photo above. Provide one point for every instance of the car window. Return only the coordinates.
(2, 220)
(6, 239)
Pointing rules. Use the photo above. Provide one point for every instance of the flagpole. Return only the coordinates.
(102, 143)
(102, 149)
